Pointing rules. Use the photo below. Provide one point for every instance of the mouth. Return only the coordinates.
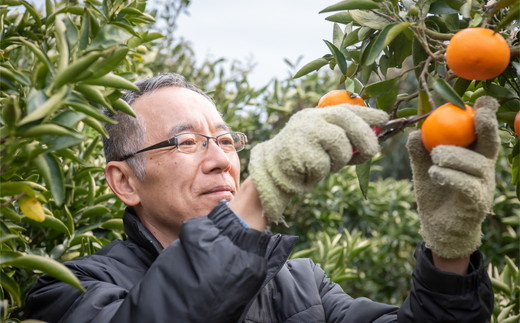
(224, 192)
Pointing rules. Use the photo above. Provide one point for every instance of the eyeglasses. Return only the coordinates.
(191, 142)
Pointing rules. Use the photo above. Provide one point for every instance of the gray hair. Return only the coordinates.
(127, 135)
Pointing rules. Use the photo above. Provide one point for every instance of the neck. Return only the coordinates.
(165, 237)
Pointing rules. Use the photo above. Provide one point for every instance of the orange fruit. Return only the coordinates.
(336, 97)
(449, 125)
(477, 54)
(517, 124)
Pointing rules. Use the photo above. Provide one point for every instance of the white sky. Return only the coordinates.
(262, 31)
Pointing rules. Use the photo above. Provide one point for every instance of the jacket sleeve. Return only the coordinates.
(435, 296)
(438, 296)
(208, 275)
(341, 307)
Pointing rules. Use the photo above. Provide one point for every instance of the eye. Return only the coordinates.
(186, 141)
(226, 140)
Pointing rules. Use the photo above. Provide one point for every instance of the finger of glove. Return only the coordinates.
(334, 143)
(486, 125)
(356, 128)
(373, 117)
(419, 156)
(461, 159)
(460, 182)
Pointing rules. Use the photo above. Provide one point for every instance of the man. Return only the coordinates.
(197, 249)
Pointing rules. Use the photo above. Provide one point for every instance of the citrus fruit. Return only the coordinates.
(517, 124)
(336, 97)
(477, 54)
(449, 125)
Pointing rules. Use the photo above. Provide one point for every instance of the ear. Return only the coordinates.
(122, 180)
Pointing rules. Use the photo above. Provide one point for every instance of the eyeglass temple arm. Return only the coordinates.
(167, 143)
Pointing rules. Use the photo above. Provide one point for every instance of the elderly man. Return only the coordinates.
(197, 249)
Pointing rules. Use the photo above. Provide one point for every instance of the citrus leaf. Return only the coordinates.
(32, 208)
(48, 266)
(53, 223)
(50, 170)
(113, 81)
(15, 188)
(352, 4)
(12, 288)
(363, 175)
(378, 89)
(113, 224)
(448, 93)
(384, 38)
(6, 256)
(50, 105)
(96, 125)
(311, 67)
(340, 17)
(340, 59)
(369, 19)
(513, 14)
(48, 129)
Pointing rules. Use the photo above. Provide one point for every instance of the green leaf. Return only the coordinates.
(340, 17)
(337, 35)
(340, 59)
(123, 106)
(311, 67)
(15, 188)
(108, 36)
(95, 211)
(51, 104)
(84, 32)
(48, 129)
(369, 19)
(363, 175)
(351, 5)
(113, 224)
(7, 256)
(96, 125)
(461, 85)
(350, 38)
(51, 172)
(48, 266)
(448, 93)
(378, 89)
(12, 287)
(384, 38)
(113, 81)
(50, 222)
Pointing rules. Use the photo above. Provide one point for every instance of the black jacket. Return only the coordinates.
(219, 271)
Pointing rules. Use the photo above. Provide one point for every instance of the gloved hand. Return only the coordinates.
(313, 143)
(455, 186)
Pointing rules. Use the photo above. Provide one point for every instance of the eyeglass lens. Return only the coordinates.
(192, 142)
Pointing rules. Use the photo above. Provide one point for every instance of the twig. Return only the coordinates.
(11, 200)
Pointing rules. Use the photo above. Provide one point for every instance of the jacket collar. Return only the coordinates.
(137, 232)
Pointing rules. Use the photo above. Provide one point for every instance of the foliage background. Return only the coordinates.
(61, 66)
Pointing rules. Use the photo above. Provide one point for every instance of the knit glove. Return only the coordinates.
(313, 143)
(455, 186)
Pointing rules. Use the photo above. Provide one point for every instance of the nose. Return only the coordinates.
(215, 159)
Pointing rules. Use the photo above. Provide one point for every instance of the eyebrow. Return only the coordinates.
(186, 126)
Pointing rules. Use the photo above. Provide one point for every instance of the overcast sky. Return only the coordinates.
(261, 31)
(264, 31)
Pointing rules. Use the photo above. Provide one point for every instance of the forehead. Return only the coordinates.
(177, 109)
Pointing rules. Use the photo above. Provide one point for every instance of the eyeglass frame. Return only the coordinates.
(172, 142)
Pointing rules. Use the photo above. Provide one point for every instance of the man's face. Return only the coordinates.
(178, 186)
